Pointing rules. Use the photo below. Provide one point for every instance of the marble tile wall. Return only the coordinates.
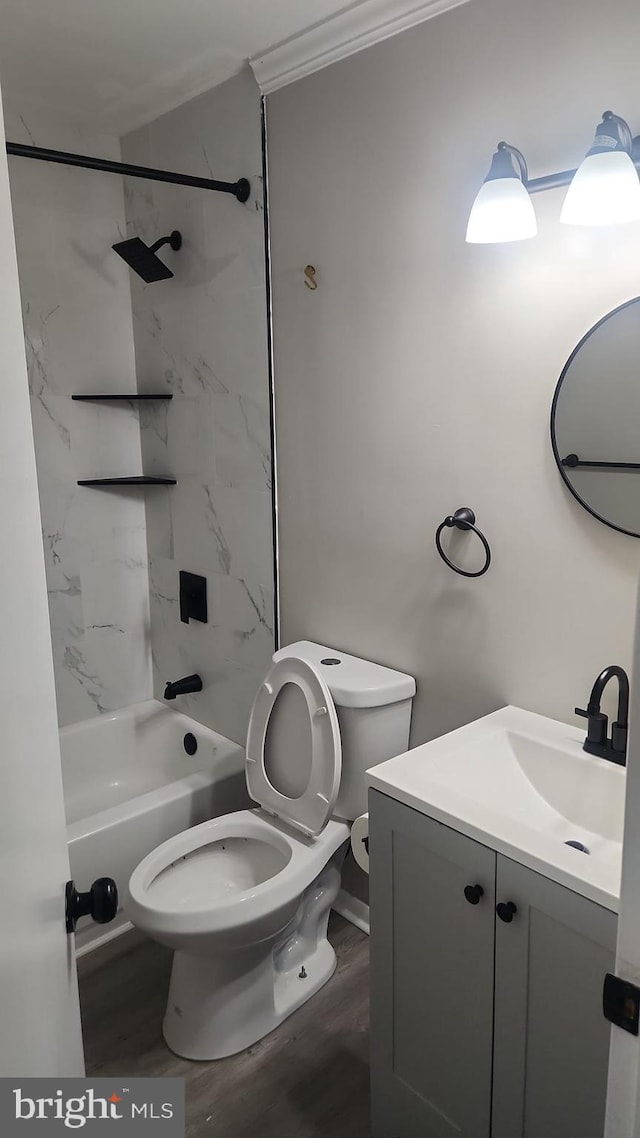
(203, 336)
(79, 337)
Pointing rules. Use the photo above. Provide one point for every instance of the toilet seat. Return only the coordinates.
(310, 811)
(301, 860)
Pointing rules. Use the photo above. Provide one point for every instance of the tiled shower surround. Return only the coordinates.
(203, 336)
(79, 338)
(113, 557)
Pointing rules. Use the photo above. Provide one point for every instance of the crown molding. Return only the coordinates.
(359, 26)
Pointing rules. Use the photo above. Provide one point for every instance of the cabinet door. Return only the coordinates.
(551, 1041)
(431, 977)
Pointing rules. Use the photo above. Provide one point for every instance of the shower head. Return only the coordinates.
(143, 259)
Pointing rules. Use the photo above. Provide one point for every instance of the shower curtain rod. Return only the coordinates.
(240, 189)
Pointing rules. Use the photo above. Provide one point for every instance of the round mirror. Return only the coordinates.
(595, 420)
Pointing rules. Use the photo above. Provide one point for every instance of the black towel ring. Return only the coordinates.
(464, 518)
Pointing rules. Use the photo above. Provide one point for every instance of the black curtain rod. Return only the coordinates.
(240, 189)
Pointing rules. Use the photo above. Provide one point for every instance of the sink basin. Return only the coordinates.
(521, 784)
(588, 795)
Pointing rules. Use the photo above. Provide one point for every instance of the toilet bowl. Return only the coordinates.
(244, 904)
(244, 899)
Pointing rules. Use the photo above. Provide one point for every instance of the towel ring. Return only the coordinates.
(464, 518)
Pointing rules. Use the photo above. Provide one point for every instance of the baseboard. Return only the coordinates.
(121, 927)
(353, 910)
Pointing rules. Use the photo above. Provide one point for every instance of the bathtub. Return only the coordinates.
(129, 784)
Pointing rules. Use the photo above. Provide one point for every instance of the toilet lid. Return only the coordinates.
(311, 809)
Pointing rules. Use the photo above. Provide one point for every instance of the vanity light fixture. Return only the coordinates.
(503, 210)
(605, 189)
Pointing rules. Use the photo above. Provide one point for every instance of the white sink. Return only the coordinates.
(521, 784)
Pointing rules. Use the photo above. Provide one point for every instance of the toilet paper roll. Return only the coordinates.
(360, 841)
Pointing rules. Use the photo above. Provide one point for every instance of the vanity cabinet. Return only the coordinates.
(481, 1026)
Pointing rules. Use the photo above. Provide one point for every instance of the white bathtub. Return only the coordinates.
(129, 784)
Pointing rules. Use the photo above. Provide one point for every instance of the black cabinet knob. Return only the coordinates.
(100, 902)
(473, 893)
(506, 910)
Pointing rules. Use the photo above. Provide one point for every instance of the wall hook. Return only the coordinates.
(310, 278)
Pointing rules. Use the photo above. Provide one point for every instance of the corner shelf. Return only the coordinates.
(133, 397)
(137, 480)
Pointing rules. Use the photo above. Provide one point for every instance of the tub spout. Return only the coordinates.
(183, 687)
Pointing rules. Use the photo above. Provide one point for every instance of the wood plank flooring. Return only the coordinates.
(307, 1079)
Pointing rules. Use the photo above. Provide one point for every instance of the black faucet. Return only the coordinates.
(596, 742)
(183, 687)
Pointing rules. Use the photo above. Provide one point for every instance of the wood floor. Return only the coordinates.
(308, 1079)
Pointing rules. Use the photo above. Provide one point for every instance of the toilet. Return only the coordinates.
(244, 899)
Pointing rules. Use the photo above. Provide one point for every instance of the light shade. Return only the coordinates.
(502, 211)
(605, 190)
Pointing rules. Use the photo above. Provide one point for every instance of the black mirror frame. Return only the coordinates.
(552, 424)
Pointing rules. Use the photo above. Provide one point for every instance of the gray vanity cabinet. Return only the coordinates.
(551, 1044)
(481, 1027)
(431, 977)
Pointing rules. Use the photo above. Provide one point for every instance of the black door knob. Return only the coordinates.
(473, 893)
(100, 902)
(506, 910)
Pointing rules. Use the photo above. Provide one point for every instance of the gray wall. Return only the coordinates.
(419, 376)
(203, 336)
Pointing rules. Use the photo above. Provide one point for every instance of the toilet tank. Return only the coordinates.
(374, 712)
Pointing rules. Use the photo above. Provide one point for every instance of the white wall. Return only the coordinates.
(203, 336)
(419, 376)
(76, 306)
